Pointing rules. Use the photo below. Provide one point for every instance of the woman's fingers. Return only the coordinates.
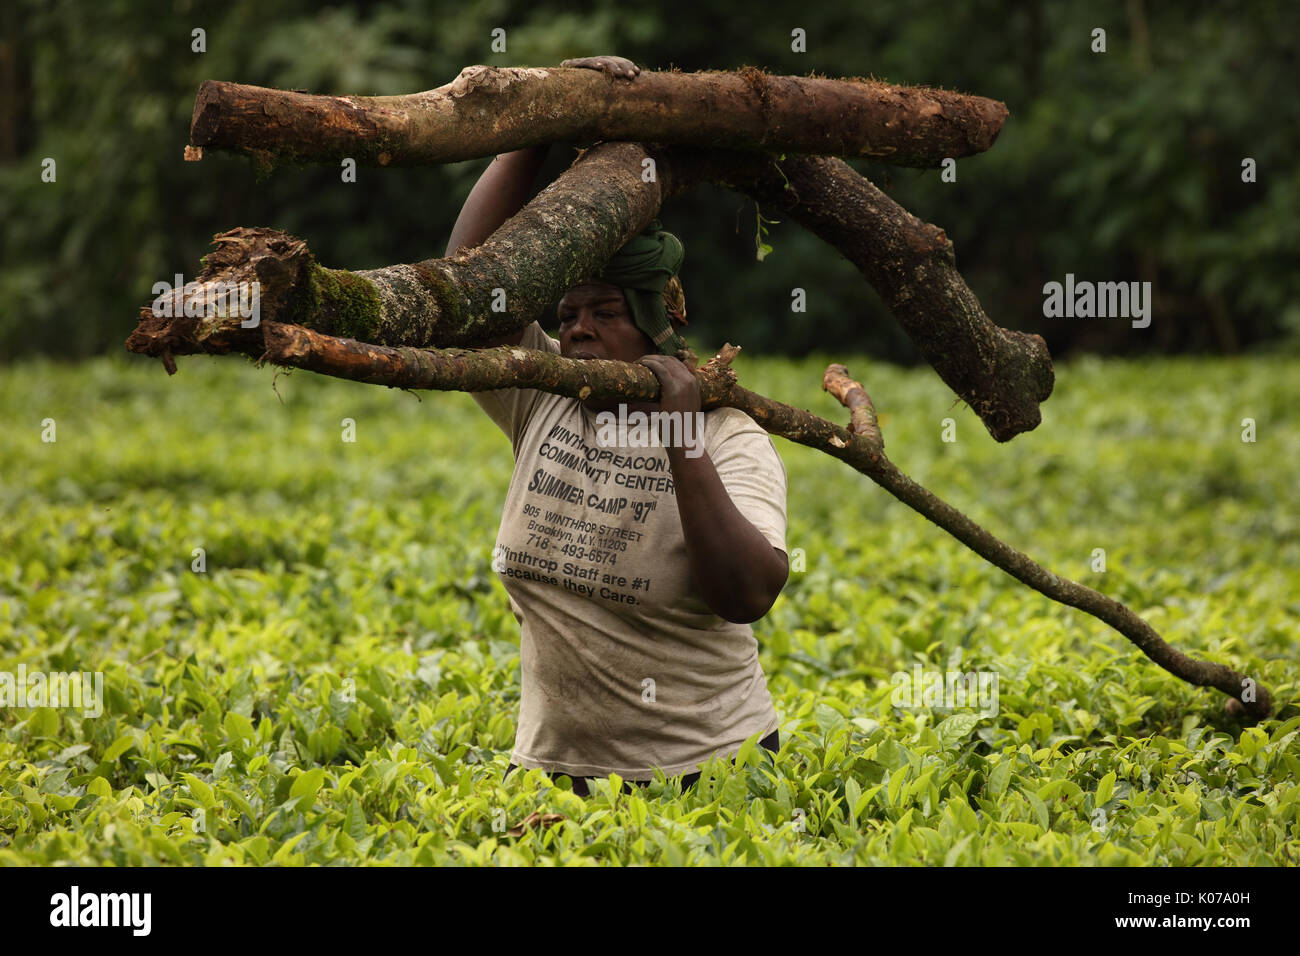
(616, 66)
(679, 389)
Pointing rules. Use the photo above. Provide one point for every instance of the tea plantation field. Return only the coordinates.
(340, 684)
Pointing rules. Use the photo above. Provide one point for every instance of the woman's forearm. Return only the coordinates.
(737, 570)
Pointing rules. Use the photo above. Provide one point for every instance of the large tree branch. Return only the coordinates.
(572, 228)
(488, 110)
(1003, 375)
(567, 233)
(860, 446)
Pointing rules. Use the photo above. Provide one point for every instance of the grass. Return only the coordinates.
(340, 684)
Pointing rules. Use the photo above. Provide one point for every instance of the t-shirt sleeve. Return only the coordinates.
(511, 408)
(753, 474)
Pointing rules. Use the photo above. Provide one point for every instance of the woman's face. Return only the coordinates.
(595, 323)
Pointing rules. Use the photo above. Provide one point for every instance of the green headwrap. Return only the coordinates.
(641, 269)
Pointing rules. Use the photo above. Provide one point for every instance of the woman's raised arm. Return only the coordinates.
(505, 185)
(499, 193)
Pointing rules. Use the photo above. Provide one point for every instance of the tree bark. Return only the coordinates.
(572, 228)
(860, 446)
(488, 110)
(1003, 375)
(566, 234)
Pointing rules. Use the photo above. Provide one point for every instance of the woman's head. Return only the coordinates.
(635, 303)
(596, 321)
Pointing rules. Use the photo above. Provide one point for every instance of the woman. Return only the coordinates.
(634, 572)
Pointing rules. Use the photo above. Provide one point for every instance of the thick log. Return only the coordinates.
(859, 446)
(566, 234)
(1002, 374)
(488, 110)
(571, 229)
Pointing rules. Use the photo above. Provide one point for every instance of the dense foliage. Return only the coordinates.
(1123, 165)
(341, 684)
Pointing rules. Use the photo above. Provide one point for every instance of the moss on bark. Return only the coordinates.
(338, 302)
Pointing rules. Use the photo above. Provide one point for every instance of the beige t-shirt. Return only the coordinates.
(624, 667)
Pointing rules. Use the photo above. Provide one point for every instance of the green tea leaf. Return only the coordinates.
(956, 728)
(999, 777)
(118, 747)
(307, 784)
(1104, 788)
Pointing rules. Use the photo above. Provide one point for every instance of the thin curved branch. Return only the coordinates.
(860, 446)
(868, 456)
